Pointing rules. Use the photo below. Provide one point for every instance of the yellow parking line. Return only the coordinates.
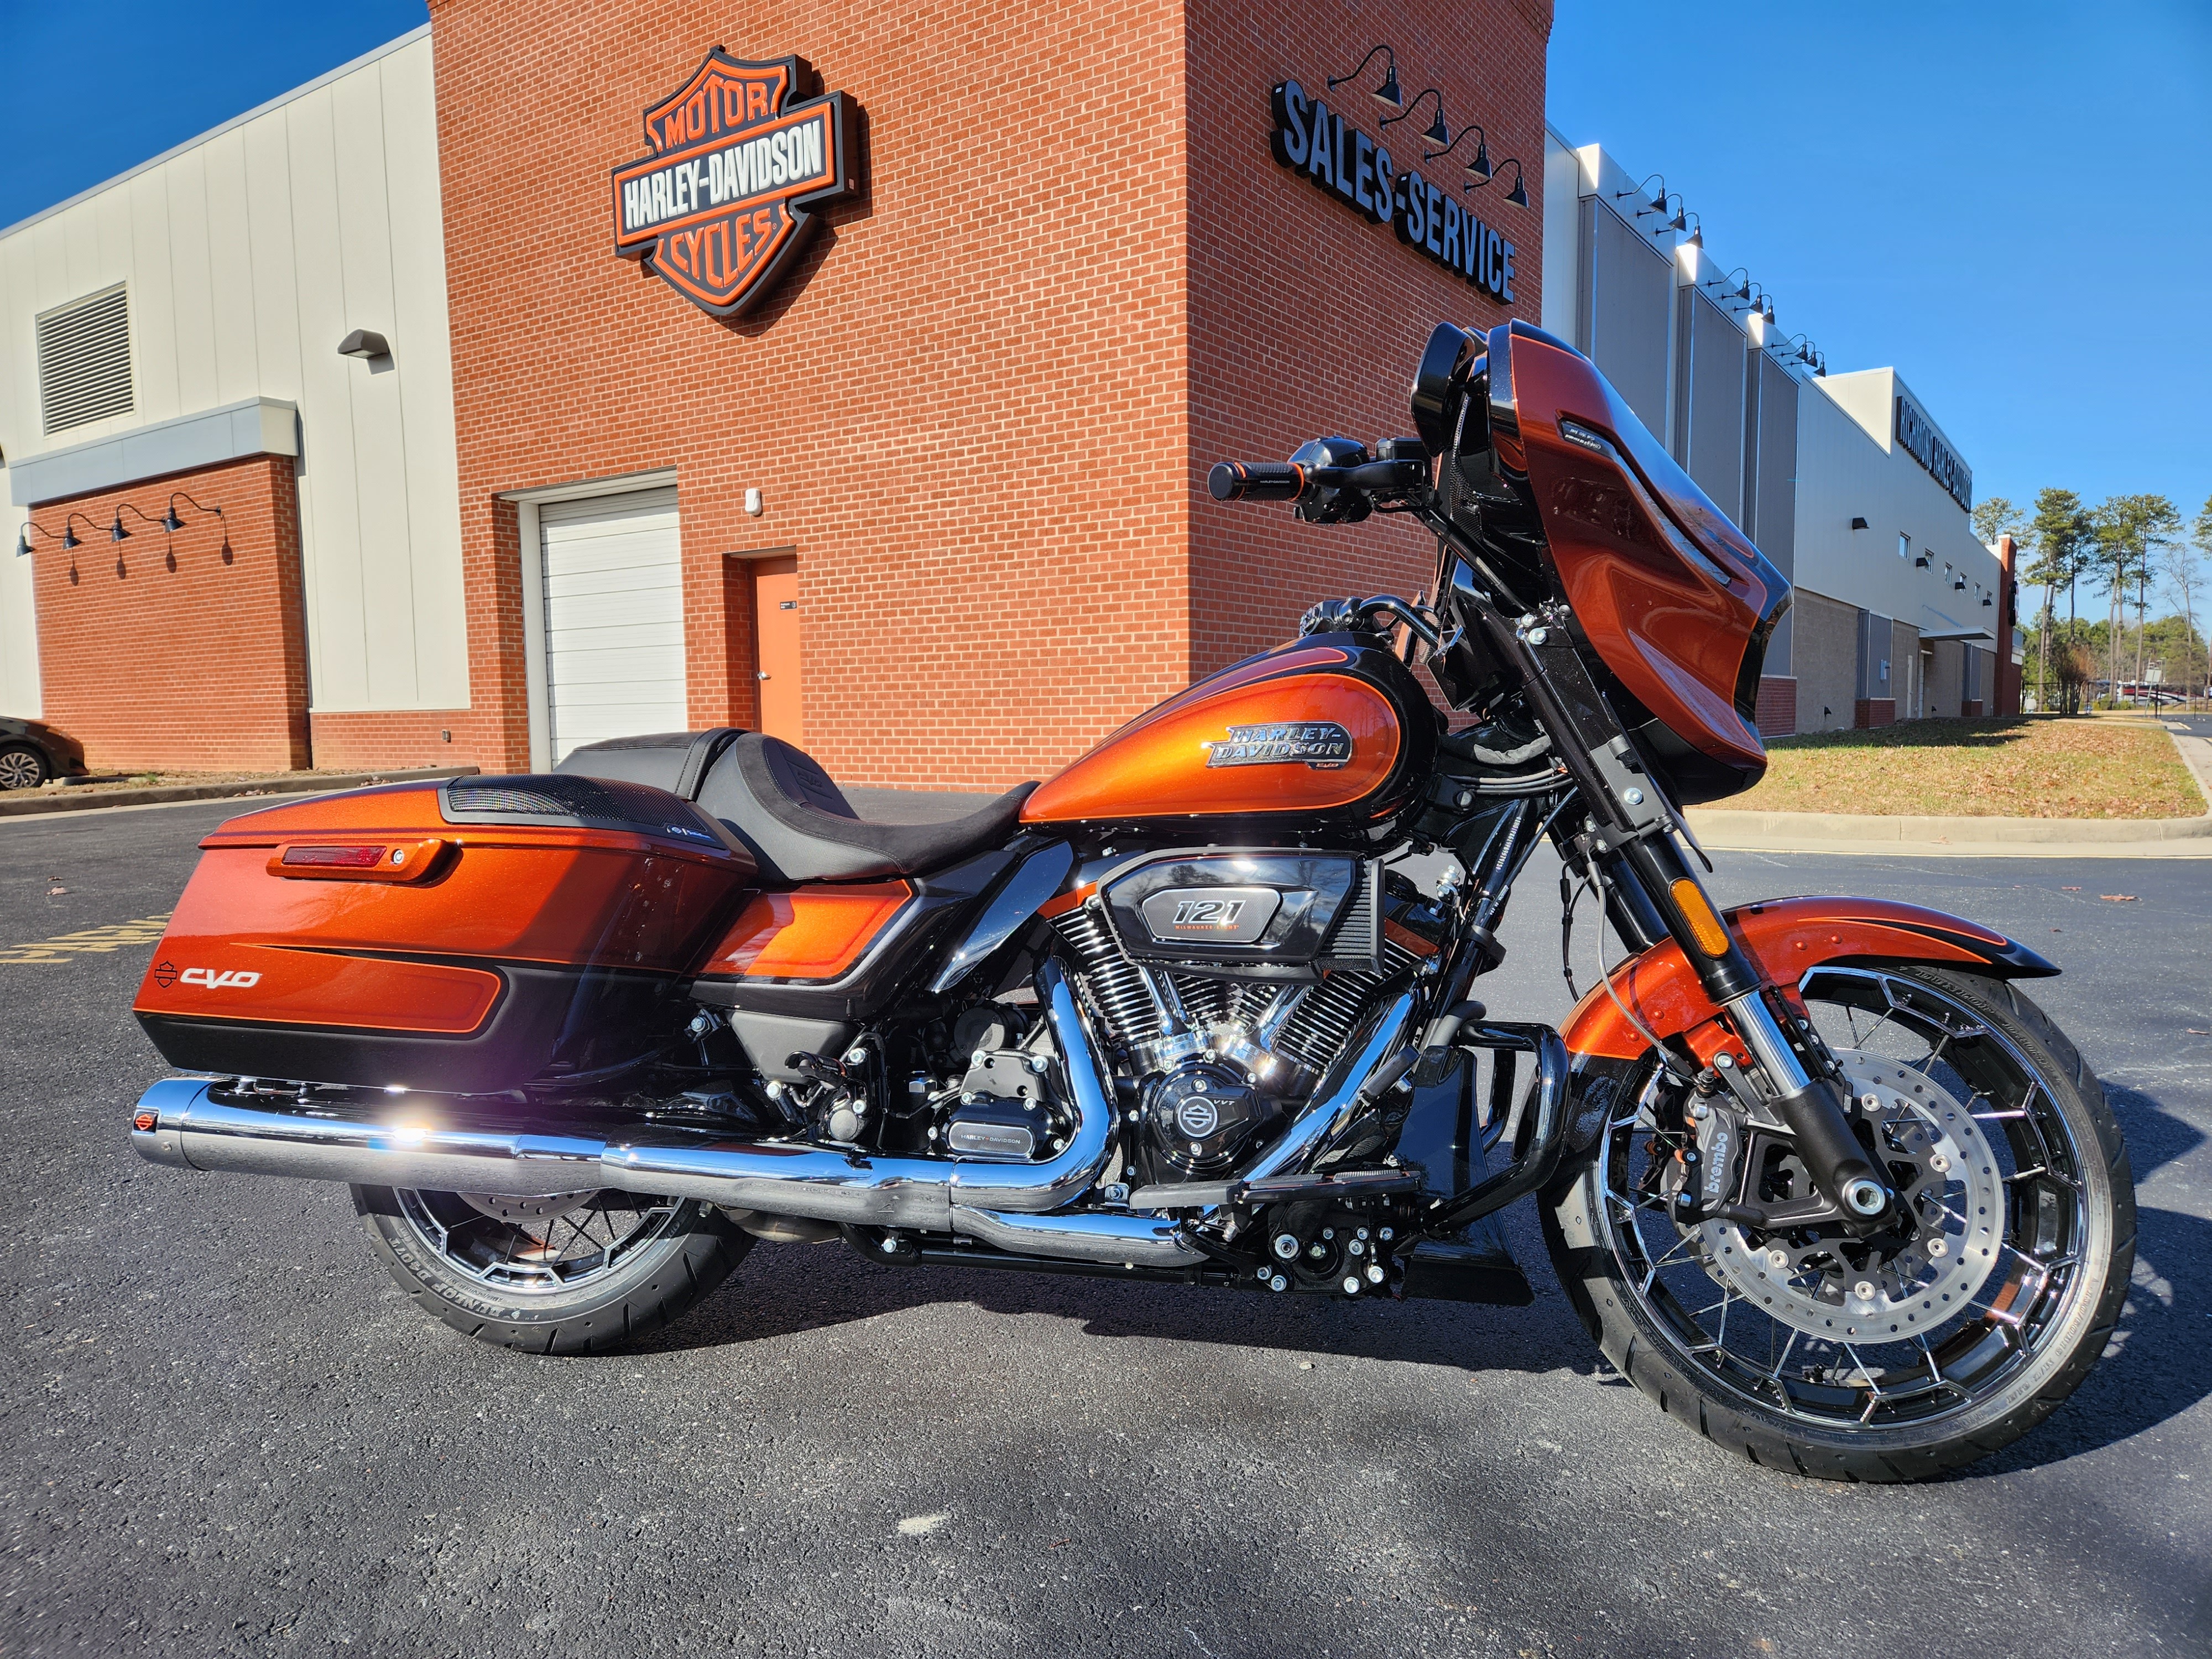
(87, 941)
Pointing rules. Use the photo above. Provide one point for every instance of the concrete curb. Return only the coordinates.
(295, 783)
(1981, 837)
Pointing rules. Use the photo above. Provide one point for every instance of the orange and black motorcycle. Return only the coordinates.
(1814, 1172)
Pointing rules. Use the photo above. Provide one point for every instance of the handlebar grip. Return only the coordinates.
(1256, 481)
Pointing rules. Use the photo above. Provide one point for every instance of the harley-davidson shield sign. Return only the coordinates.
(722, 204)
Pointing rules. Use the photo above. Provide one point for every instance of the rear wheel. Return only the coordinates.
(568, 1273)
(1952, 1334)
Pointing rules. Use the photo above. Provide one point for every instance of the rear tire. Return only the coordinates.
(655, 1272)
(1638, 1307)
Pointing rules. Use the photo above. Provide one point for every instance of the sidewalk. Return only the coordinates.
(27, 803)
(1971, 838)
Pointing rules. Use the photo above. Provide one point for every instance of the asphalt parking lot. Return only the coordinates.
(223, 1429)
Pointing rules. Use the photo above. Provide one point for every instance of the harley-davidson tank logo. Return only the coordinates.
(722, 204)
(1321, 745)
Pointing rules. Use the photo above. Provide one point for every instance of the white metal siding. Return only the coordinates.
(614, 618)
(250, 253)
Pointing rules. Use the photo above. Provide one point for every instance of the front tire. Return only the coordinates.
(1898, 1403)
(21, 767)
(575, 1272)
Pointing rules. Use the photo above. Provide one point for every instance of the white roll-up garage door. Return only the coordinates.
(614, 618)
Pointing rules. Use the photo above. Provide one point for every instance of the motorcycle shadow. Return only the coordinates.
(783, 1289)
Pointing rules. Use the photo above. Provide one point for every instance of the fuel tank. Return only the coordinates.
(1329, 731)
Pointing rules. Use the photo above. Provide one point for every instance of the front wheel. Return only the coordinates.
(1953, 1333)
(568, 1273)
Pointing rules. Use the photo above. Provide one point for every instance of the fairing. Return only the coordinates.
(1571, 497)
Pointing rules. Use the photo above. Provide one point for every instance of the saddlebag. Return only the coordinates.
(462, 938)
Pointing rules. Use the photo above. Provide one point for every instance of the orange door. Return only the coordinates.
(775, 647)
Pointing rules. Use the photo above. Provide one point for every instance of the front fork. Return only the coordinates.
(1804, 1091)
(1632, 835)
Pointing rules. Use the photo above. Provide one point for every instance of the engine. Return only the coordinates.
(1228, 983)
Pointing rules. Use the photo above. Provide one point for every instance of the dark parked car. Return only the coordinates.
(31, 751)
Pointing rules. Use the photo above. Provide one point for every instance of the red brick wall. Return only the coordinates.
(183, 649)
(982, 406)
(1778, 706)
(966, 407)
(1306, 319)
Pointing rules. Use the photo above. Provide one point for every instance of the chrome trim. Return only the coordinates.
(1138, 1241)
(1037, 1187)
(1035, 880)
(1768, 1045)
(1387, 1034)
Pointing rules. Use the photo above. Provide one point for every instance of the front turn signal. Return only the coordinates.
(1697, 911)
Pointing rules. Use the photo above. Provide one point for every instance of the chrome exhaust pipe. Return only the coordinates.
(1004, 1205)
(177, 1122)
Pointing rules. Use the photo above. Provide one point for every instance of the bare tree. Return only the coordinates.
(2181, 572)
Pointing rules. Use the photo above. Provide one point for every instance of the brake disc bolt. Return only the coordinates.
(1939, 1248)
(1863, 1290)
(1777, 1258)
(1938, 1163)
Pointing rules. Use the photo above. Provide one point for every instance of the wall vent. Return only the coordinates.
(84, 359)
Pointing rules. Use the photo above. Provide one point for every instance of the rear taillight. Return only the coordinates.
(344, 857)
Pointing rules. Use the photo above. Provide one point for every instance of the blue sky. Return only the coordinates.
(2001, 200)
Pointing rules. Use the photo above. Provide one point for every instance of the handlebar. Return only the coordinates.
(1256, 481)
(1288, 481)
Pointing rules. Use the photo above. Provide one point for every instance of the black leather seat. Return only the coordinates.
(784, 807)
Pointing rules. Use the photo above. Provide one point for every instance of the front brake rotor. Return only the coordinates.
(1926, 1266)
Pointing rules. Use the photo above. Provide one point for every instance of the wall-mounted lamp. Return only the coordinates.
(1658, 203)
(1387, 95)
(170, 522)
(1767, 300)
(1958, 583)
(70, 538)
(1519, 194)
(364, 343)
(1697, 238)
(1678, 222)
(1479, 167)
(1436, 132)
(23, 536)
(1858, 524)
(1989, 599)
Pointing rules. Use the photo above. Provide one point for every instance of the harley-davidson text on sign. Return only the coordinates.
(722, 204)
(1321, 744)
(1334, 155)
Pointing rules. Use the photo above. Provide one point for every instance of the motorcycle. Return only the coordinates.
(1814, 1173)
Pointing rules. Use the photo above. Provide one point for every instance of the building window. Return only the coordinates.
(84, 359)
(1904, 546)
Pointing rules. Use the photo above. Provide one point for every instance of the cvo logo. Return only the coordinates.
(228, 980)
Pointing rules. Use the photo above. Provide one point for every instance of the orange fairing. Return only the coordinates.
(1671, 612)
(1174, 762)
(1784, 937)
(813, 933)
